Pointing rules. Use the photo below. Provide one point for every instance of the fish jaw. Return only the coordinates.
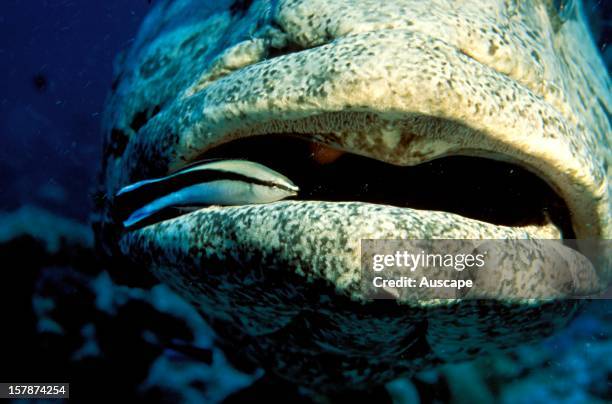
(284, 280)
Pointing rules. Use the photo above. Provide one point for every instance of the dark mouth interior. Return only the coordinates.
(478, 188)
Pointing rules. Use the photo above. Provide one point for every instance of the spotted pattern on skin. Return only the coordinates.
(290, 276)
(403, 82)
(316, 240)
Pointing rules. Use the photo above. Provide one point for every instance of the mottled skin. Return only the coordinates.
(399, 81)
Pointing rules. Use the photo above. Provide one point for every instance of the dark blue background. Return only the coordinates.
(57, 58)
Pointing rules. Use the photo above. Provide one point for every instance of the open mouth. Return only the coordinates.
(483, 157)
(483, 189)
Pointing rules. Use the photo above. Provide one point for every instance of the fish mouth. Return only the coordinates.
(456, 107)
(483, 189)
(335, 200)
(467, 153)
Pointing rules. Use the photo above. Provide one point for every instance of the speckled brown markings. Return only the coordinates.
(401, 81)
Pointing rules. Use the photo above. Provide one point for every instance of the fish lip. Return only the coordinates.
(548, 152)
(316, 239)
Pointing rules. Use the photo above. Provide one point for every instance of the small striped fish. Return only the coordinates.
(217, 182)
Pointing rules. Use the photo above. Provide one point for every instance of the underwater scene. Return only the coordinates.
(306, 201)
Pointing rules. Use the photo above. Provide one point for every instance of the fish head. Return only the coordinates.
(366, 106)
